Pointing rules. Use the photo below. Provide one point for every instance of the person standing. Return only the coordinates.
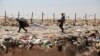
(62, 21)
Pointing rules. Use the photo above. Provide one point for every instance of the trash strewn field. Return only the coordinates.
(41, 40)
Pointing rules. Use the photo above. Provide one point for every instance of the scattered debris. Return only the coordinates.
(81, 38)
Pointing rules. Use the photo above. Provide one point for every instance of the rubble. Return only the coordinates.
(80, 38)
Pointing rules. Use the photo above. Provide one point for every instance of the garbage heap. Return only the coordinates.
(77, 41)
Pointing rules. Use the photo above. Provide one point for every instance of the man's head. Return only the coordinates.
(63, 14)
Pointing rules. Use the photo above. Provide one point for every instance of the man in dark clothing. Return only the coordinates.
(22, 24)
(62, 21)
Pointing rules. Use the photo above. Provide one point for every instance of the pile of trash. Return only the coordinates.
(25, 40)
(35, 25)
(83, 39)
(90, 39)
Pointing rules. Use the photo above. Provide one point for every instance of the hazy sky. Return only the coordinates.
(49, 6)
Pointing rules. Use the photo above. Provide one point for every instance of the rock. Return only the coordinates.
(21, 46)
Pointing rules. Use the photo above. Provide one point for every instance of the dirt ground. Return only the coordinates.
(33, 52)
